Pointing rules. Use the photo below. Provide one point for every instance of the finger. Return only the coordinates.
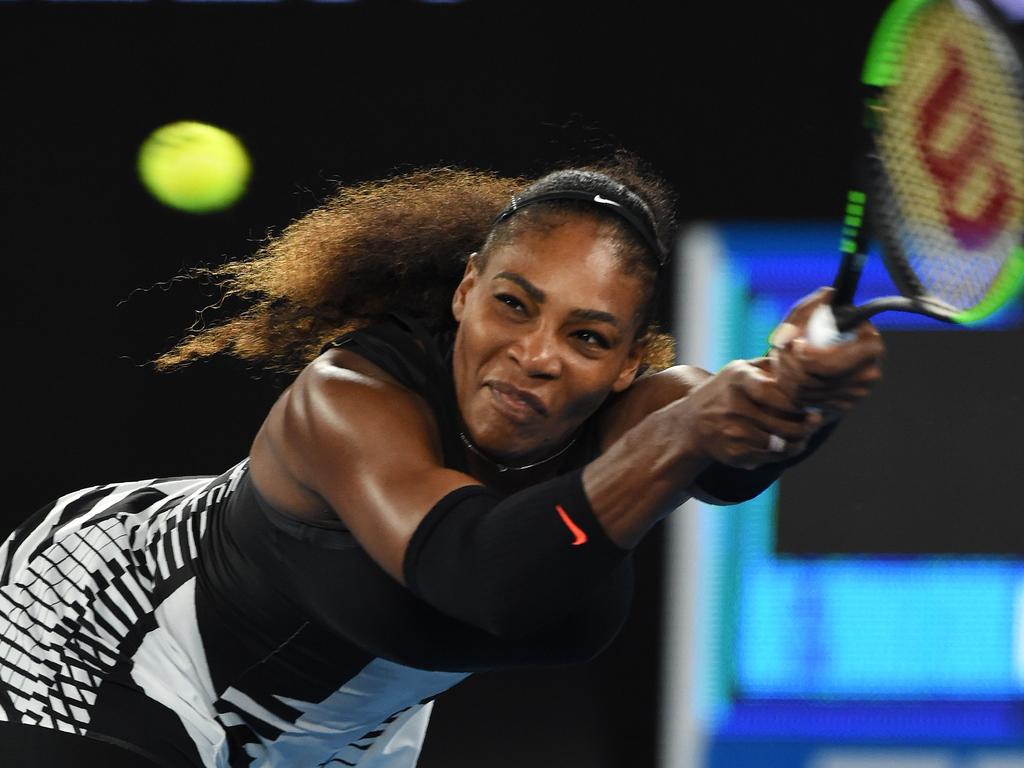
(815, 386)
(783, 334)
(785, 449)
(761, 422)
(866, 329)
(789, 375)
(763, 390)
(801, 312)
(859, 384)
(827, 362)
(761, 449)
(839, 361)
(797, 317)
(797, 384)
(847, 400)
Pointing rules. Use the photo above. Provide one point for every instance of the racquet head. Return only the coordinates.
(946, 113)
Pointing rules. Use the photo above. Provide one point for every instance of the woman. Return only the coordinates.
(454, 484)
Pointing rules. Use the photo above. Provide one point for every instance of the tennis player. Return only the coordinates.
(483, 425)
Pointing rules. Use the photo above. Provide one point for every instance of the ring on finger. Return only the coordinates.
(776, 444)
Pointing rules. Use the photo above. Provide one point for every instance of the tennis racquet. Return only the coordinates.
(942, 174)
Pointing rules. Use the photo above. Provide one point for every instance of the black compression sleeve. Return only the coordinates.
(510, 566)
(731, 485)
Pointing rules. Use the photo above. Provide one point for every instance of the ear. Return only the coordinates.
(469, 279)
(631, 364)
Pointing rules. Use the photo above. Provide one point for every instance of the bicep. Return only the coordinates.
(369, 450)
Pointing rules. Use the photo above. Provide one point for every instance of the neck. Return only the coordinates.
(507, 475)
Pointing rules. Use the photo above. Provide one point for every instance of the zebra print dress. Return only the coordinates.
(101, 634)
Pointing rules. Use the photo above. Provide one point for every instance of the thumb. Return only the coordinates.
(796, 320)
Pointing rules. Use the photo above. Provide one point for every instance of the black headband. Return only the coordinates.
(640, 224)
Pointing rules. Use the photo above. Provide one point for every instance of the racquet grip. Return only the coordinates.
(822, 330)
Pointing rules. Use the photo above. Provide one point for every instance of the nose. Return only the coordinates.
(537, 352)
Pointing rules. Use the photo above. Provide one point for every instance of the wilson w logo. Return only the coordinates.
(953, 164)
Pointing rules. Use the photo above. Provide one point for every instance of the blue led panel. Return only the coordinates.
(877, 629)
(786, 262)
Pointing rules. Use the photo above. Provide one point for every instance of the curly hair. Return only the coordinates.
(371, 248)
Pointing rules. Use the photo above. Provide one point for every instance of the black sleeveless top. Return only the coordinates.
(422, 362)
(190, 621)
(328, 576)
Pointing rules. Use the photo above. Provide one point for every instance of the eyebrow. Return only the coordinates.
(595, 315)
(532, 290)
(535, 293)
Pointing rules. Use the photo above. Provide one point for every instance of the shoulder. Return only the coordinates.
(367, 447)
(343, 417)
(646, 395)
(398, 345)
(343, 400)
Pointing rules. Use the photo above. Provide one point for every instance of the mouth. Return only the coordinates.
(517, 403)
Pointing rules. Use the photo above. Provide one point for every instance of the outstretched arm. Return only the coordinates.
(726, 419)
(831, 381)
(370, 449)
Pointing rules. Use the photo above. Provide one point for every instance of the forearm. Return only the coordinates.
(510, 565)
(644, 475)
(722, 484)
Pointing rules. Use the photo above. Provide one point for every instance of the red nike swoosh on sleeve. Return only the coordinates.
(581, 537)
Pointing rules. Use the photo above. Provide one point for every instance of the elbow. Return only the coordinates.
(510, 618)
(503, 611)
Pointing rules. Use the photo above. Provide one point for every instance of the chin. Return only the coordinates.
(506, 443)
(502, 444)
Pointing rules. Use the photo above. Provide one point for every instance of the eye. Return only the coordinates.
(510, 301)
(593, 339)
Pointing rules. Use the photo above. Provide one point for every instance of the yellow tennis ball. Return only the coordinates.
(194, 167)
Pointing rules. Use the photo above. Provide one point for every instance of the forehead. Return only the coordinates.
(574, 261)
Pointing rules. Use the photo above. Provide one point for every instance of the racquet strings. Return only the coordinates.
(950, 141)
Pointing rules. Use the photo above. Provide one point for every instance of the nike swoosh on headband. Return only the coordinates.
(638, 223)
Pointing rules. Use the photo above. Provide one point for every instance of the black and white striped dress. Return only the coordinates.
(186, 619)
(100, 633)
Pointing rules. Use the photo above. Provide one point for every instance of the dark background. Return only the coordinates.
(749, 109)
(928, 464)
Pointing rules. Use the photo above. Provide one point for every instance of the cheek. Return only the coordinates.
(478, 344)
(486, 335)
(593, 383)
(585, 397)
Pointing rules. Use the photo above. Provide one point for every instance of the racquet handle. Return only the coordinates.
(822, 330)
(827, 327)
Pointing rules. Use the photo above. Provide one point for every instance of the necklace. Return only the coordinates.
(508, 467)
